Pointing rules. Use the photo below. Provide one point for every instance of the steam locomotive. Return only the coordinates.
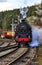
(23, 33)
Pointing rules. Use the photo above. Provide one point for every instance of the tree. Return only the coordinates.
(4, 23)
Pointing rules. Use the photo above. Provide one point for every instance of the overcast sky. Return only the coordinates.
(12, 4)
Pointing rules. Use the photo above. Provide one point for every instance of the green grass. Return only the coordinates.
(39, 59)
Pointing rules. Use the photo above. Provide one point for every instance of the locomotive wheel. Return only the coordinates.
(21, 45)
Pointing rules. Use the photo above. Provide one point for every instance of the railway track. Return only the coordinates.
(6, 52)
(6, 46)
(12, 55)
(5, 39)
(7, 49)
(8, 59)
(26, 58)
(20, 56)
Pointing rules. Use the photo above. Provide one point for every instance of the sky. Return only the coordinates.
(12, 4)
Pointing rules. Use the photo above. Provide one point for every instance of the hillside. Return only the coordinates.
(34, 16)
(6, 18)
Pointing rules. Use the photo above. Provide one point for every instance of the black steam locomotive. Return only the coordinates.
(23, 34)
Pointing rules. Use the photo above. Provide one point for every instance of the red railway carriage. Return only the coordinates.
(7, 34)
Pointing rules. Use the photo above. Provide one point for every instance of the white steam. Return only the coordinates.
(23, 12)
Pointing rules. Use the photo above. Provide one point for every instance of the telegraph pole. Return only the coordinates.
(12, 28)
